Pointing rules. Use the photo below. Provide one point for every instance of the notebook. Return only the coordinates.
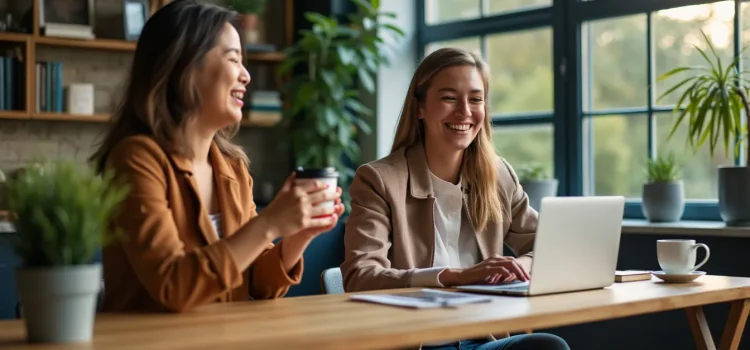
(422, 299)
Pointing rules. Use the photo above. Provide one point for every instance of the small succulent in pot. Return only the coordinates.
(663, 193)
(537, 183)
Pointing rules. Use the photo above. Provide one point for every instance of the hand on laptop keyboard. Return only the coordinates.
(493, 270)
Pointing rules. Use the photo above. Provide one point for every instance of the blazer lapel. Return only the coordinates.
(204, 221)
(228, 192)
(420, 188)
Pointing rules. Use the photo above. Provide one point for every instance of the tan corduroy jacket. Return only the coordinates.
(391, 230)
(170, 257)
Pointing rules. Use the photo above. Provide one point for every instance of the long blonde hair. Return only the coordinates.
(480, 163)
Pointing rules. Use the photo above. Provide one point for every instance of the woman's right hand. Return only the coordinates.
(496, 269)
(294, 208)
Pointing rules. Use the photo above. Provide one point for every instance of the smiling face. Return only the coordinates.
(221, 82)
(453, 108)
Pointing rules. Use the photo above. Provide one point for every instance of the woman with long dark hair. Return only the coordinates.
(191, 232)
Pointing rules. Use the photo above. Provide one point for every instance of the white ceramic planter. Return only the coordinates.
(59, 304)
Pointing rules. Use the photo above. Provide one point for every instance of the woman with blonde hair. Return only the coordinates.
(437, 211)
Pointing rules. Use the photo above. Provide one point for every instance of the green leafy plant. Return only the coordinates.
(247, 6)
(663, 169)
(532, 172)
(323, 110)
(62, 212)
(712, 103)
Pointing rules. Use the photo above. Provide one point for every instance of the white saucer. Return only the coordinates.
(681, 278)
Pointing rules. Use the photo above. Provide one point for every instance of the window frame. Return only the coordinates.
(567, 19)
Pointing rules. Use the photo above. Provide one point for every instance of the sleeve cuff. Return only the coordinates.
(272, 260)
(427, 277)
(228, 273)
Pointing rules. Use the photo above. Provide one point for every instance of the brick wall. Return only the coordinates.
(21, 141)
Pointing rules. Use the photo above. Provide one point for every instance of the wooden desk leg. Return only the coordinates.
(699, 327)
(730, 339)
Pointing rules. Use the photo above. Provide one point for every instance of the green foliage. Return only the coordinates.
(532, 172)
(325, 113)
(61, 211)
(663, 169)
(247, 6)
(713, 101)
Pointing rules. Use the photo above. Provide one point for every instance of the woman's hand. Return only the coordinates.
(496, 269)
(295, 209)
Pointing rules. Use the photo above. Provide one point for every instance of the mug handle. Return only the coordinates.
(708, 253)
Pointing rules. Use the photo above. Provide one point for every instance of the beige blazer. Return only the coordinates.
(391, 230)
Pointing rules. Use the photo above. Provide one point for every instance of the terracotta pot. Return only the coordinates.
(250, 21)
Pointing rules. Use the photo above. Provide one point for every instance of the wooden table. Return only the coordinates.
(333, 322)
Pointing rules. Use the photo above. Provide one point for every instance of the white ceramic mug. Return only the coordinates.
(329, 176)
(678, 256)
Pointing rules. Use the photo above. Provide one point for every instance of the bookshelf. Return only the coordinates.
(29, 42)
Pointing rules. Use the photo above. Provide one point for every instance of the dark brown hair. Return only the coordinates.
(160, 95)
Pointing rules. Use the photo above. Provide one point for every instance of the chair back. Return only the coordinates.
(331, 281)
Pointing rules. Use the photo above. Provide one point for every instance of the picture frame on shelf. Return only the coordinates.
(135, 15)
(67, 18)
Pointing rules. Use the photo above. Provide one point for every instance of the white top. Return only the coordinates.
(216, 222)
(455, 241)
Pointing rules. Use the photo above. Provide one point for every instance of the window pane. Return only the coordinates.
(745, 26)
(440, 11)
(472, 44)
(498, 6)
(699, 169)
(615, 65)
(618, 148)
(522, 76)
(678, 30)
(525, 144)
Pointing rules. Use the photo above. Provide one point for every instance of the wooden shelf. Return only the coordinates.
(265, 56)
(96, 118)
(14, 37)
(14, 115)
(101, 44)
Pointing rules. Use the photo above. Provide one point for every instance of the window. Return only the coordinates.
(519, 55)
(576, 89)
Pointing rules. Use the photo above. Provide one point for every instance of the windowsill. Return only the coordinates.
(685, 227)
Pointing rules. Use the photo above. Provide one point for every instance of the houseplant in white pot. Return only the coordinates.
(663, 193)
(61, 213)
(536, 183)
(712, 103)
(330, 64)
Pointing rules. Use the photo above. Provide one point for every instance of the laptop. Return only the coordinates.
(576, 247)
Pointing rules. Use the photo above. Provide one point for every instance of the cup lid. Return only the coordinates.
(316, 173)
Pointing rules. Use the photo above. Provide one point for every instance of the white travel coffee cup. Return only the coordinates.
(328, 175)
(678, 256)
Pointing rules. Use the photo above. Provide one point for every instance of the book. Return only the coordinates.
(423, 299)
(632, 275)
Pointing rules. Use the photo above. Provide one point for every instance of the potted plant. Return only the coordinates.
(61, 213)
(331, 61)
(711, 106)
(249, 10)
(663, 193)
(536, 183)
